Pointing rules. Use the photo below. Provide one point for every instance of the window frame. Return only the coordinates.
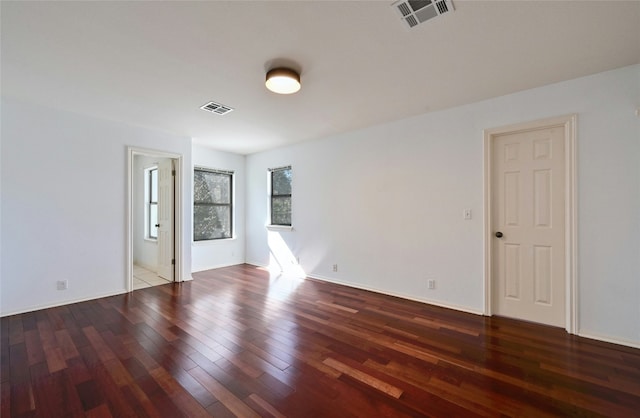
(279, 196)
(148, 192)
(230, 205)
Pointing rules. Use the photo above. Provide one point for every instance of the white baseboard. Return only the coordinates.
(398, 295)
(590, 335)
(218, 266)
(612, 340)
(593, 336)
(383, 292)
(63, 303)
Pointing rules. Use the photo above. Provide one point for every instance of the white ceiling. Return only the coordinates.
(153, 64)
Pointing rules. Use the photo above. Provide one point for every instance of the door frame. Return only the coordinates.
(569, 123)
(178, 211)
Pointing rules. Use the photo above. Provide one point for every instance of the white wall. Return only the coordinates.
(225, 252)
(64, 194)
(386, 203)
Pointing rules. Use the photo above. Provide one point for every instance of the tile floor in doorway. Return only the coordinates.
(146, 278)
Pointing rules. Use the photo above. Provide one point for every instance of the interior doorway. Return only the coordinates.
(154, 218)
(530, 222)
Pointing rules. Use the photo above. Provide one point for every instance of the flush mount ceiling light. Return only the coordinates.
(283, 81)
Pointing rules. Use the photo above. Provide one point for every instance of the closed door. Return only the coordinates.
(165, 219)
(528, 216)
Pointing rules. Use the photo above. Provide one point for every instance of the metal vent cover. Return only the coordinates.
(217, 108)
(415, 12)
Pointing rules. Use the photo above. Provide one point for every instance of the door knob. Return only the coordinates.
(499, 234)
(158, 226)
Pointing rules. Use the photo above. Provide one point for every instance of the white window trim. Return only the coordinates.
(270, 226)
(279, 227)
(206, 242)
(145, 173)
(210, 242)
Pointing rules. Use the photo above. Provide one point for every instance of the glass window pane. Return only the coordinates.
(200, 190)
(281, 182)
(281, 210)
(211, 222)
(153, 185)
(153, 220)
(211, 187)
(212, 205)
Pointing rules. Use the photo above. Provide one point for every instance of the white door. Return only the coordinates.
(528, 211)
(165, 219)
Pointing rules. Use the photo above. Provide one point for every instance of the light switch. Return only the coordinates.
(467, 214)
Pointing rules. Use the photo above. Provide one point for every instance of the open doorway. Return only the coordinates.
(153, 222)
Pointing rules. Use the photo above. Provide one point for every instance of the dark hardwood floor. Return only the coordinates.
(236, 342)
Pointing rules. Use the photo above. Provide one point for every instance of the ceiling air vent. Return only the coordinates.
(415, 12)
(216, 108)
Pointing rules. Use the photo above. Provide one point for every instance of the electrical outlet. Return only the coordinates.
(335, 268)
(467, 214)
(431, 284)
(62, 284)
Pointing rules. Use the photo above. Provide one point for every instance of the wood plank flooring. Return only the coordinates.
(237, 342)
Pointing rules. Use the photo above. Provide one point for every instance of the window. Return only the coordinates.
(280, 179)
(151, 200)
(212, 204)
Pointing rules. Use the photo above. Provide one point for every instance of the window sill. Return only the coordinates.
(279, 227)
(153, 240)
(212, 241)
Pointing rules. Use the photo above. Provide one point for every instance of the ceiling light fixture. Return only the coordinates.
(283, 81)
